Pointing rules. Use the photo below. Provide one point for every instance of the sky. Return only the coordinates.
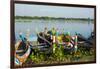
(53, 11)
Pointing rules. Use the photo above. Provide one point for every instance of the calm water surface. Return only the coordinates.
(83, 27)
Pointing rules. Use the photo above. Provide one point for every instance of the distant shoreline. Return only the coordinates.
(51, 18)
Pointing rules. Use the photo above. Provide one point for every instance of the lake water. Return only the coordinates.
(32, 26)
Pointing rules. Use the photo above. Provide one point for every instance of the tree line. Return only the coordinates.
(50, 18)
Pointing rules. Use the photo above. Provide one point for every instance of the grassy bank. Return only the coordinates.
(60, 56)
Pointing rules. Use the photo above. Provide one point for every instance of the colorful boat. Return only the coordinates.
(21, 52)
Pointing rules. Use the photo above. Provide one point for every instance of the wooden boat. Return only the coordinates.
(47, 39)
(87, 40)
(86, 43)
(22, 51)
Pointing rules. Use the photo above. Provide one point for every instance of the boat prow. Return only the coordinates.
(21, 55)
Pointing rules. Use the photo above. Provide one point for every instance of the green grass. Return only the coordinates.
(60, 57)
